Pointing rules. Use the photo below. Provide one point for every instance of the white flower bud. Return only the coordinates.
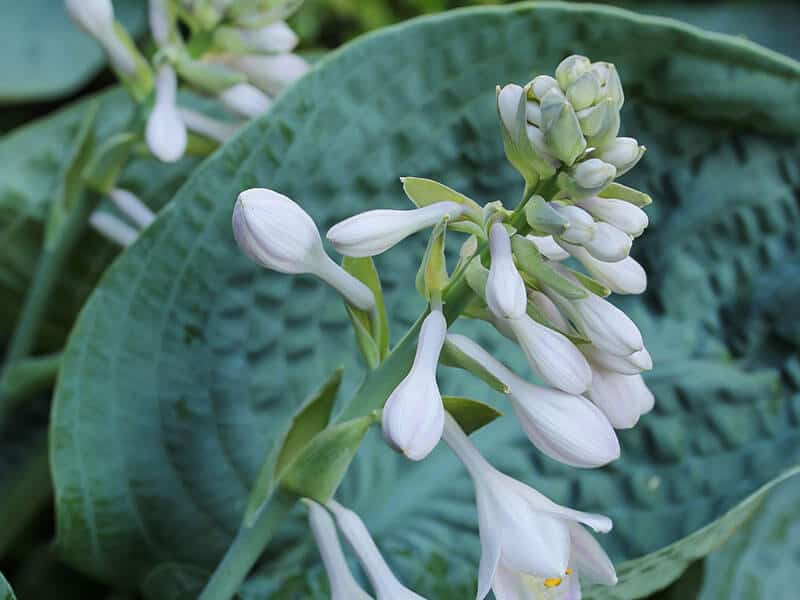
(113, 228)
(597, 118)
(96, 17)
(633, 364)
(245, 100)
(581, 224)
(549, 247)
(542, 84)
(582, 92)
(505, 290)
(166, 131)
(132, 207)
(594, 173)
(212, 128)
(622, 215)
(275, 38)
(413, 416)
(536, 138)
(570, 69)
(552, 355)
(561, 129)
(507, 103)
(271, 74)
(608, 244)
(279, 235)
(622, 277)
(385, 584)
(342, 583)
(548, 308)
(604, 324)
(375, 231)
(159, 21)
(611, 86)
(623, 398)
(533, 113)
(623, 153)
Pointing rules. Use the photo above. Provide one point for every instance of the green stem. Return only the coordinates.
(27, 376)
(51, 263)
(246, 548)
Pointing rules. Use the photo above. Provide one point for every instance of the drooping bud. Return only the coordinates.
(166, 131)
(505, 290)
(413, 416)
(279, 235)
(581, 224)
(375, 231)
(608, 244)
(245, 100)
(622, 277)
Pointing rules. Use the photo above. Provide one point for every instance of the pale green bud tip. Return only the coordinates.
(570, 69)
(561, 128)
(541, 85)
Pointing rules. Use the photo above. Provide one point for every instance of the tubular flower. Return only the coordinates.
(384, 583)
(505, 290)
(522, 532)
(375, 231)
(343, 584)
(279, 235)
(413, 416)
(565, 427)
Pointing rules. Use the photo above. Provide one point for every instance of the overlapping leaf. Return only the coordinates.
(188, 362)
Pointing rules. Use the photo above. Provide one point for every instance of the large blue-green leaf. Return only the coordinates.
(45, 55)
(6, 593)
(188, 361)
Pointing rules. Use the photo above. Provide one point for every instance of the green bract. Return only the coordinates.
(188, 362)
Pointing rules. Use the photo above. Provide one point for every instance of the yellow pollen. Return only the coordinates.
(552, 582)
(569, 571)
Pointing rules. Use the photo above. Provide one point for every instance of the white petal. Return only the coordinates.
(623, 153)
(507, 102)
(566, 427)
(159, 21)
(549, 310)
(413, 417)
(632, 364)
(245, 100)
(272, 74)
(609, 244)
(622, 277)
(552, 355)
(588, 557)
(343, 584)
(505, 290)
(581, 227)
(593, 173)
(617, 396)
(549, 247)
(375, 231)
(212, 128)
(622, 215)
(543, 84)
(113, 228)
(490, 552)
(533, 113)
(166, 133)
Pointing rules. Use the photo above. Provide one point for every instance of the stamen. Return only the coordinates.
(552, 582)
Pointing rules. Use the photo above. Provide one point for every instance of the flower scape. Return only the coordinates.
(539, 273)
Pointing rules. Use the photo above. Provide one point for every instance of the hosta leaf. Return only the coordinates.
(45, 55)
(188, 361)
(6, 593)
(30, 160)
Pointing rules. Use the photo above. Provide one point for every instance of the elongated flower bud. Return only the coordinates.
(159, 21)
(565, 427)
(113, 228)
(622, 215)
(413, 416)
(623, 153)
(271, 74)
(245, 100)
(593, 174)
(133, 208)
(549, 247)
(552, 355)
(632, 364)
(212, 128)
(279, 235)
(166, 132)
(385, 584)
(505, 290)
(581, 224)
(622, 277)
(507, 101)
(275, 38)
(96, 17)
(608, 243)
(375, 231)
(343, 584)
(548, 308)
(623, 398)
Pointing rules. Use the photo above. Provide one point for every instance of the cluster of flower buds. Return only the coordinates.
(238, 51)
(587, 353)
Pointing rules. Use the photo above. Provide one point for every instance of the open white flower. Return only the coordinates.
(343, 584)
(375, 231)
(96, 17)
(413, 416)
(552, 355)
(384, 583)
(521, 530)
(622, 277)
(566, 427)
(278, 234)
(166, 132)
(505, 290)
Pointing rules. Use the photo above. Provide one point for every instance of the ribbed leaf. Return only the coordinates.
(188, 361)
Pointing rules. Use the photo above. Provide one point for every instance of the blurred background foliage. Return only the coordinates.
(769, 548)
